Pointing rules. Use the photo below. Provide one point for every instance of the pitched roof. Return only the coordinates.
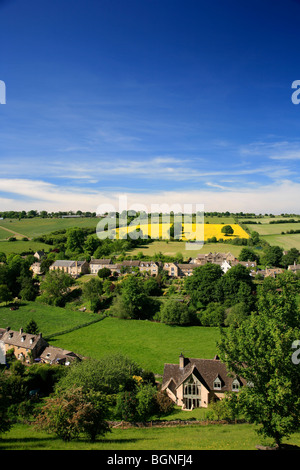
(54, 354)
(100, 261)
(20, 338)
(65, 263)
(206, 370)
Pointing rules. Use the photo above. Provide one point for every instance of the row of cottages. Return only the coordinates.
(28, 347)
(194, 383)
(225, 260)
(173, 269)
(143, 266)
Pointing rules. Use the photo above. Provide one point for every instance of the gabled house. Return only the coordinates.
(172, 269)
(151, 267)
(97, 264)
(186, 269)
(36, 268)
(74, 268)
(54, 355)
(40, 254)
(294, 267)
(194, 383)
(25, 345)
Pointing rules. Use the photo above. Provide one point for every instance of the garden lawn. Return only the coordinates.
(150, 344)
(192, 437)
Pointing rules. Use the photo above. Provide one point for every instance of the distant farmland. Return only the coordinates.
(272, 233)
(189, 232)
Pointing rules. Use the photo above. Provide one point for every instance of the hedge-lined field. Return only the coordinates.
(150, 344)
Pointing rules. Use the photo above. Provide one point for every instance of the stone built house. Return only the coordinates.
(194, 383)
(176, 270)
(28, 348)
(74, 268)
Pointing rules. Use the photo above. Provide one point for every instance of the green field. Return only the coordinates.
(273, 229)
(150, 344)
(48, 318)
(171, 248)
(272, 234)
(20, 246)
(38, 226)
(192, 437)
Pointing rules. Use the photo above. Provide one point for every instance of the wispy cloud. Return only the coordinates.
(40, 195)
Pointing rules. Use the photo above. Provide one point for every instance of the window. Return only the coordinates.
(217, 384)
(235, 385)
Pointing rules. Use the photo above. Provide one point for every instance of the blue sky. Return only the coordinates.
(162, 101)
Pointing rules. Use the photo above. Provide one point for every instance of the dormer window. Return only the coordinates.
(217, 383)
(235, 385)
(31, 340)
(23, 338)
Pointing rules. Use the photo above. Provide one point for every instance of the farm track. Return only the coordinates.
(15, 233)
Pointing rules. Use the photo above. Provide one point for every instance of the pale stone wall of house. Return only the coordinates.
(2, 353)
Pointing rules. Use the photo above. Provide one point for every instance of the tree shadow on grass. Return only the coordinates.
(35, 443)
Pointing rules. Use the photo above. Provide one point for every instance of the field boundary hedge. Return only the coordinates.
(74, 328)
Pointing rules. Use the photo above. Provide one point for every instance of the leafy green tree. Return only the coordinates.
(32, 327)
(92, 292)
(105, 375)
(174, 312)
(273, 256)
(146, 401)
(201, 287)
(151, 287)
(75, 240)
(72, 412)
(236, 286)
(104, 273)
(55, 287)
(91, 244)
(246, 254)
(236, 314)
(29, 289)
(213, 315)
(5, 294)
(135, 304)
(5, 422)
(227, 230)
(290, 257)
(260, 350)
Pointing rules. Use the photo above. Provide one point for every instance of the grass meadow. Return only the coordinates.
(148, 343)
(171, 248)
(272, 234)
(37, 226)
(191, 437)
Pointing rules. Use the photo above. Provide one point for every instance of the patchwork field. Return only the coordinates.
(272, 233)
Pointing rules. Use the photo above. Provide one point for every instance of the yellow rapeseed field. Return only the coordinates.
(190, 231)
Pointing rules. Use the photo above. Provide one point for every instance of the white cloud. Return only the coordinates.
(39, 195)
